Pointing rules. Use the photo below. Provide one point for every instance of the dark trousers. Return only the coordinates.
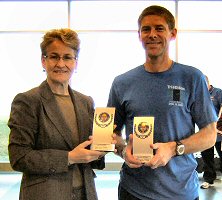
(124, 195)
(218, 148)
(209, 169)
(78, 194)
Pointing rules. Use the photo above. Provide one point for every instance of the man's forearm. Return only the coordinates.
(120, 145)
(202, 140)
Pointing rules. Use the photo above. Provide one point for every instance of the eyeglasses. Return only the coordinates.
(67, 59)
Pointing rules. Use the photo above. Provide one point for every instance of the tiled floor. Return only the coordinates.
(106, 182)
(214, 192)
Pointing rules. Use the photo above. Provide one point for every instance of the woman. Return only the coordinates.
(50, 128)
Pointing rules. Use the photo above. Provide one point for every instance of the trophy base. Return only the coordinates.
(144, 158)
(103, 147)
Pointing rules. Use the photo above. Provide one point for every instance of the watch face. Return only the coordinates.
(180, 149)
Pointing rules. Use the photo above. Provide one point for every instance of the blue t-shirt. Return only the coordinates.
(178, 99)
(216, 97)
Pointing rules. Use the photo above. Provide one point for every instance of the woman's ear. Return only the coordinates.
(139, 35)
(43, 63)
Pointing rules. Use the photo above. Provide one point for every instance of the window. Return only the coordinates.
(109, 44)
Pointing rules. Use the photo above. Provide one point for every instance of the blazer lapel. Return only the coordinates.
(54, 114)
(79, 117)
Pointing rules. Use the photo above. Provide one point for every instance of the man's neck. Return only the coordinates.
(155, 65)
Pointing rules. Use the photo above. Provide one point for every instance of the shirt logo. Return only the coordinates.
(176, 93)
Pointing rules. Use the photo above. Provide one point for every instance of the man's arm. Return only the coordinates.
(202, 140)
(120, 143)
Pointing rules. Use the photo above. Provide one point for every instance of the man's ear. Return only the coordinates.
(173, 34)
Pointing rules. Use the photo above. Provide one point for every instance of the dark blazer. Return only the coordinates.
(40, 140)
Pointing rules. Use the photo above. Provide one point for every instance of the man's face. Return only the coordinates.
(155, 36)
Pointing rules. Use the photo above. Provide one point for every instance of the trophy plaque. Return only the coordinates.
(143, 129)
(103, 123)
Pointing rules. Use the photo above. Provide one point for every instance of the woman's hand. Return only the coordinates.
(81, 154)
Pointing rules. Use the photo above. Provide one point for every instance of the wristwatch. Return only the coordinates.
(180, 148)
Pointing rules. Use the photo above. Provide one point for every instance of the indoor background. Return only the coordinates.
(109, 46)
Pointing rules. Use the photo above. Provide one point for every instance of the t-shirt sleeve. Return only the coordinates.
(115, 101)
(202, 109)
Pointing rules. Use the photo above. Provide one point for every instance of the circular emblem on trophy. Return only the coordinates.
(143, 130)
(104, 119)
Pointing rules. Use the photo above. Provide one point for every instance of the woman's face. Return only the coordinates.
(59, 63)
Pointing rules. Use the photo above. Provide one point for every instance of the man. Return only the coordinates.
(210, 174)
(219, 124)
(177, 96)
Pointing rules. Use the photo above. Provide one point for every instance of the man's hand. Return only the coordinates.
(164, 152)
(130, 160)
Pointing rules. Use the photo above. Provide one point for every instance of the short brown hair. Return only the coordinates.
(159, 11)
(67, 36)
